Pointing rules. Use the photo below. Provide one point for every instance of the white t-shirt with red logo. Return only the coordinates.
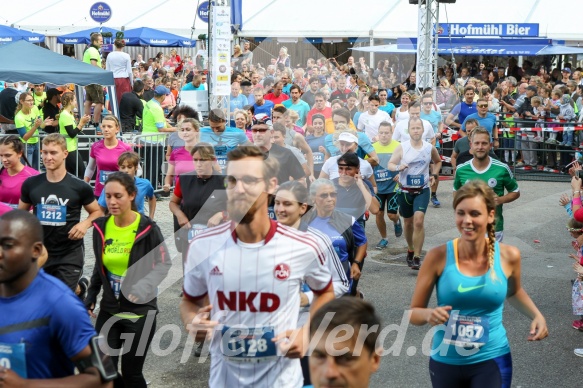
(254, 291)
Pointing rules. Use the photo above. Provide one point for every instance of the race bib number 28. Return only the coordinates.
(248, 344)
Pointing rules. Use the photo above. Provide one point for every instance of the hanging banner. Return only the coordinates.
(489, 29)
(221, 50)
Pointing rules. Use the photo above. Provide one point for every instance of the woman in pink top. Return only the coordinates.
(104, 153)
(180, 160)
(12, 173)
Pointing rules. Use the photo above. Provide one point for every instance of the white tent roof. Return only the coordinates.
(293, 18)
(393, 19)
(59, 17)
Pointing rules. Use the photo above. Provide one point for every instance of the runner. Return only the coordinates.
(495, 173)
(401, 133)
(42, 322)
(347, 362)
(412, 160)
(221, 137)
(473, 276)
(258, 289)
(104, 154)
(386, 184)
(434, 118)
(57, 198)
(12, 173)
(129, 162)
(131, 260)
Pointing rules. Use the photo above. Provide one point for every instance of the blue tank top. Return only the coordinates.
(479, 301)
(466, 110)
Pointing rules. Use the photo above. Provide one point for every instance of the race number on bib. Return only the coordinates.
(12, 356)
(382, 175)
(115, 281)
(318, 157)
(248, 344)
(53, 215)
(195, 231)
(415, 180)
(221, 153)
(467, 331)
(103, 176)
(271, 213)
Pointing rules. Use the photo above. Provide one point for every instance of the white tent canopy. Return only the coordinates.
(389, 19)
(60, 17)
(393, 19)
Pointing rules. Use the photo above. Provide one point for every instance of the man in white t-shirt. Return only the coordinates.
(242, 282)
(347, 142)
(370, 120)
(402, 130)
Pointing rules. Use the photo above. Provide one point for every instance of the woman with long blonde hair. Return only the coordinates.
(473, 276)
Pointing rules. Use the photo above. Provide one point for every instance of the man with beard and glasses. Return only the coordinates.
(246, 275)
(495, 173)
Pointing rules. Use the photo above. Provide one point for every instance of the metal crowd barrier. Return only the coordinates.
(150, 147)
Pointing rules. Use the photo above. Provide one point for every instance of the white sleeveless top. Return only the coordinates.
(401, 115)
(417, 174)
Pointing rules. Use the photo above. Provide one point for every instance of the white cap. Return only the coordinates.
(348, 137)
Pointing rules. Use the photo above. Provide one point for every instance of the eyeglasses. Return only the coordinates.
(483, 106)
(326, 195)
(262, 130)
(248, 181)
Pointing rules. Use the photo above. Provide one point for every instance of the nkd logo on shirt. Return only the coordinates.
(253, 302)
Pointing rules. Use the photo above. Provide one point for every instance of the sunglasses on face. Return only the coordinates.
(483, 106)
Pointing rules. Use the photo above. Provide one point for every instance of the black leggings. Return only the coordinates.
(132, 363)
(493, 373)
(75, 164)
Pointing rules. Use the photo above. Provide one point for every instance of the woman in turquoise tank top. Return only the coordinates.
(473, 276)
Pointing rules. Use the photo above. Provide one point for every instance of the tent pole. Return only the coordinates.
(371, 43)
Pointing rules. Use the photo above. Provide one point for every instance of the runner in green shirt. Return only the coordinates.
(495, 173)
(27, 122)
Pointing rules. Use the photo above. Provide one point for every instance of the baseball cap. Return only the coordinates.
(532, 88)
(53, 92)
(567, 70)
(348, 137)
(262, 118)
(161, 90)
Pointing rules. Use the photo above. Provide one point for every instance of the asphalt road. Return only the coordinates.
(388, 283)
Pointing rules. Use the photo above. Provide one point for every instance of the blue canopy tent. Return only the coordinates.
(51, 67)
(47, 66)
(145, 36)
(82, 37)
(10, 34)
(480, 46)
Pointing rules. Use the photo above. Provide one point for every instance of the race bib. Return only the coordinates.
(318, 157)
(195, 231)
(382, 175)
(222, 160)
(415, 180)
(248, 344)
(53, 215)
(221, 153)
(103, 176)
(12, 356)
(466, 331)
(271, 213)
(115, 281)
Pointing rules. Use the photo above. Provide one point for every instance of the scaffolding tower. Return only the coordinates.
(427, 43)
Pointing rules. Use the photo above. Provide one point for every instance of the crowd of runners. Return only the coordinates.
(270, 203)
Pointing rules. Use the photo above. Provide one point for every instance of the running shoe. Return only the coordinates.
(551, 141)
(519, 164)
(382, 244)
(416, 263)
(410, 255)
(579, 352)
(538, 139)
(577, 324)
(435, 202)
(83, 286)
(398, 228)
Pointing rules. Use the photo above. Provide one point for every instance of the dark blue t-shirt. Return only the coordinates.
(58, 326)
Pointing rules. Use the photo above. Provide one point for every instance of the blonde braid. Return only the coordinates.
(491, 251)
